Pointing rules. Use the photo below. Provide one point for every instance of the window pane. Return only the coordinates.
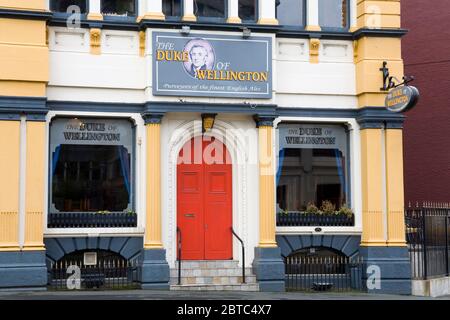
(118, 7)
(247, 10)
(172, 8)
(91, 178)
(333, 13)
(91, 165)
(62, 5)
(291, 12)
(209, 8)
(312, 166)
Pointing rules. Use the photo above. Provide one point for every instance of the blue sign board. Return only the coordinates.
(206, 65)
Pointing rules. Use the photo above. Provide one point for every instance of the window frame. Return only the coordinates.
(290, 27)
(353, 175)
(347, 19)
(121, 18)
(177, 18)
(133, 160)
(65, 14)
(248, 22)
(214, 19)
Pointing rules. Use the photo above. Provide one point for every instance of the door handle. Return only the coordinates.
(189, 215)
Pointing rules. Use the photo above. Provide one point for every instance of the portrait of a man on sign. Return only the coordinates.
(201, 56)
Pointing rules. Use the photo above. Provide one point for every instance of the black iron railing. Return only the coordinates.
(427, 235)
(300, 219)
(105, 275)
(179, 242)
(92, 220)
(243, 253)
(336, 273)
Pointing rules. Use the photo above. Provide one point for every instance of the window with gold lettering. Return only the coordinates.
(313, 167)
(91, 167)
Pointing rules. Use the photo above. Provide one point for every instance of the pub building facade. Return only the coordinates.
(131, 127)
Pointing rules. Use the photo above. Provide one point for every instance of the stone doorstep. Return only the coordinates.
(214, 280)
(211, 272)
(238, 287)
(209, 264)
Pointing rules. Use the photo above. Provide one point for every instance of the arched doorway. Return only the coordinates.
(204, 200)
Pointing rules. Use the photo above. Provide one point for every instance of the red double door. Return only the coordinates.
(204, 197)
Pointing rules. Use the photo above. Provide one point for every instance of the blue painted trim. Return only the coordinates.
(152, 118)
(127, 247)
(11, 108)
(367, 117)
(264, 120)
(25, 14)
(155, 271)
(394, 268)
(346, 244)
(269, 269)
(378, 117)
(23, 270)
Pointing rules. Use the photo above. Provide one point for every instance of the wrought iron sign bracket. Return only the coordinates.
(388, 81)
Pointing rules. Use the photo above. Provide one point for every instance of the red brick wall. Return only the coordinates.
(426, 53)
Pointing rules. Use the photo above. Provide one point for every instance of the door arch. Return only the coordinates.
(204, 199)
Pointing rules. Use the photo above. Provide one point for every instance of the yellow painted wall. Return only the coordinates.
(394, 187)
(24, 57)
(38, 5)
(378, 14)
(267, 223)
(372, 188)
(370, 52)
(9, 184)
(35, 186)
(153, 235)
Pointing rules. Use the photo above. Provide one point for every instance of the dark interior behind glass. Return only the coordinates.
(119, 7)
(62, 5)
(91, 178)
(209, 8)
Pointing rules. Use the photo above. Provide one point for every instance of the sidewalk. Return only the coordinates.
(206, 295)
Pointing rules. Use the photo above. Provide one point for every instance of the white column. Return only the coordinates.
(267, 12)
(312, 15)
(233, 11)
(152, 10)
(94, 10)
(353, 18)
(188, 14)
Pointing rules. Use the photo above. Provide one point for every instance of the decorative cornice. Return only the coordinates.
(34, 108)
(264, 120)
(152, 118)
(26, 14)
(379, 117)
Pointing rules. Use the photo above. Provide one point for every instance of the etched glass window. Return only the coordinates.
(312, 166)
(333, 13)
(91, 165)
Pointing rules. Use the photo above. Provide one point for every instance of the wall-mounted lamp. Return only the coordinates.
(185, 30)
(246, 33)
(208, 121)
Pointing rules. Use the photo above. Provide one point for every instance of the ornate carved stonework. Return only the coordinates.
(314, 45)
(96, 36)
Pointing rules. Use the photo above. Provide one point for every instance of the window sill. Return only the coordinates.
(93, 232)
(323, 230)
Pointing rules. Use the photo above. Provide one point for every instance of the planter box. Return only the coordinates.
(92, 220)
(301, 219)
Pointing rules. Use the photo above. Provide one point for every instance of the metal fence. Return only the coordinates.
(337, 273)
(428, 235)
(112, 274)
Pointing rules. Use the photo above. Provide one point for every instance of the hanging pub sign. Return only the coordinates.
(206, 65)
(402, 98)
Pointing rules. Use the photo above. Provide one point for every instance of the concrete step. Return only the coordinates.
(208, 264)
(232, 272)
(237, 287)
(214, 280)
